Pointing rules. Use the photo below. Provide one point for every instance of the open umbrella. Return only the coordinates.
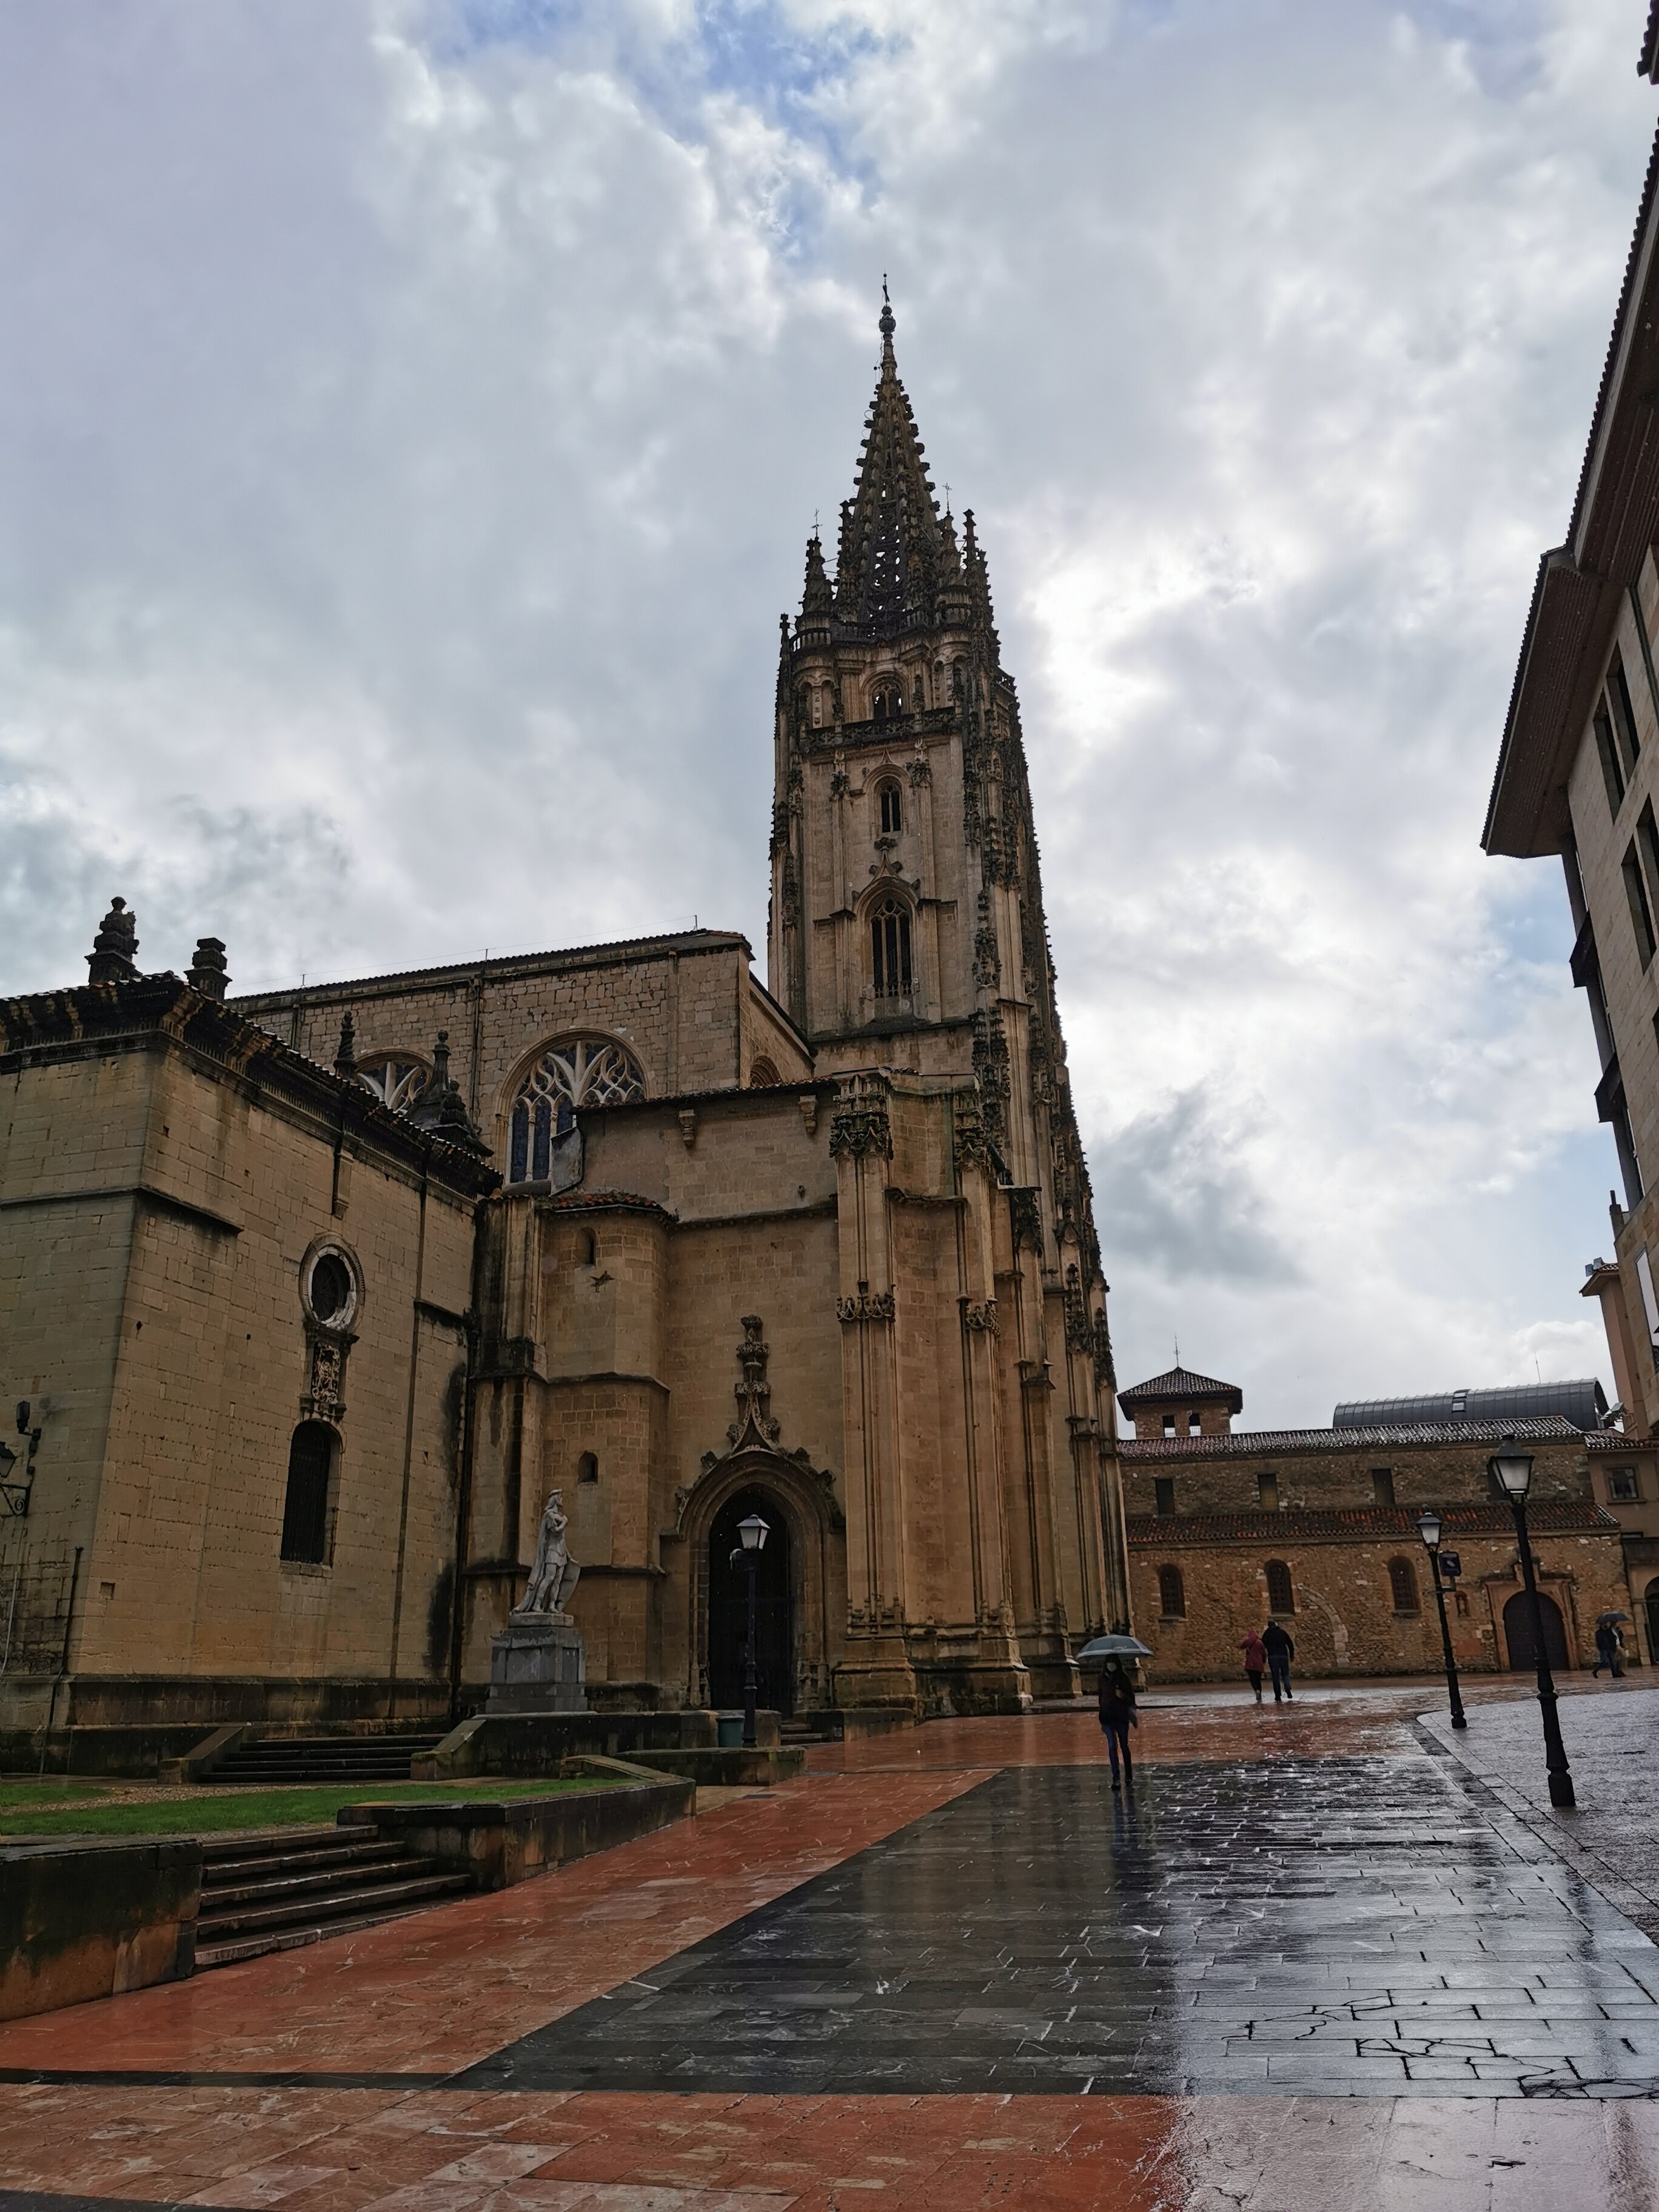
(1116, 1647)
(1602, 1617)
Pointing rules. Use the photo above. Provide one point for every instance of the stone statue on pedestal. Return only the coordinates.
(537, 1663)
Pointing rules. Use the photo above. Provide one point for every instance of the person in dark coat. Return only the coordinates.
(1608, 1650)
(1118, 1715)
(1276, 1642)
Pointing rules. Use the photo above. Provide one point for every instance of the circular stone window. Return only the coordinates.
(330, 1293)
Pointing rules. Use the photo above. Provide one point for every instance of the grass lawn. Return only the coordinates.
(42, 1811)
(49, 1790)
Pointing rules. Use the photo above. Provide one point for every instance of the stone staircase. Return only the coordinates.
(287, 1762)
(277, 1891)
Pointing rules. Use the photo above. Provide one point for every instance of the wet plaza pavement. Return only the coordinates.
(1325, 1958)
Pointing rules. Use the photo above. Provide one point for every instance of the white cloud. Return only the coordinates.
(412, 415)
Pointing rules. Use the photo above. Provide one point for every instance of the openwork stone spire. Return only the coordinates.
(892, 555)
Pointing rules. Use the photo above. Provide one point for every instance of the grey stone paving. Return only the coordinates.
(1340, 1927)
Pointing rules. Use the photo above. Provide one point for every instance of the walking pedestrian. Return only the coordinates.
(1117, 1716)
(1608, 1651)
(1276, 1642)
(1255, 1662)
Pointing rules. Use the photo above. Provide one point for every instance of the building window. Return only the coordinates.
(1172, 1593)
(587, 1468)
(817, 708)
(1613, 773)
(1193, 1425)
(891, 806)
(1641, 913)
(587, 1248)
(1266, 1493)
(1383, 1485)
(396, 1078)
(582, 1072)
(1623, 1487)
(1402, 1585)
(889, 702)
(1168, 1425)
(1281, 1592)
(331, 1290)
(889, 949)
(1624, 716)
(763, 1076)
(305, 1507)
(1164, 1495)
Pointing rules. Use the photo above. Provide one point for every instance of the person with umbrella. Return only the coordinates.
(1117, 1697)
(1609, 1645)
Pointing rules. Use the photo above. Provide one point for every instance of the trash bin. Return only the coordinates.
(731, 1730)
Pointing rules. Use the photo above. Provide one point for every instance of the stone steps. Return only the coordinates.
(280, 1762)
(275, 1892)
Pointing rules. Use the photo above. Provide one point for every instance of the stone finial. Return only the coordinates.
(206, 972)
(345, 1052)
(440, 1109)
(112, 959)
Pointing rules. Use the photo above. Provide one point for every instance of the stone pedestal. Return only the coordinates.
(538, 1665)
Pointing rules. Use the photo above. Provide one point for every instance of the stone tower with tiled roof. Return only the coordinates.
(1180, 1403)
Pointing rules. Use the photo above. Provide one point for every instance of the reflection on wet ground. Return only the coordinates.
(1335, 1927)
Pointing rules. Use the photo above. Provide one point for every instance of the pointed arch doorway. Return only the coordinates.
(728, 1605)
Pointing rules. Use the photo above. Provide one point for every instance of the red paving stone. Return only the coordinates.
(429, 1995)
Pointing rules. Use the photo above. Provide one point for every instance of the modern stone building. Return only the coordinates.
(1317, 1528)
(822, 1249)
(1577, 777)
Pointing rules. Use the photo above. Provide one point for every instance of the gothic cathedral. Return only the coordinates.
(415, 1250)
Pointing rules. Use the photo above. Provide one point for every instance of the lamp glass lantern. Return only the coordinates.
(1512, 1472)
(1428, 1528)
(752, 1532)
(7, 1459)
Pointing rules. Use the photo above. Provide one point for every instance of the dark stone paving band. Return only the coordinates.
(1335, 1927)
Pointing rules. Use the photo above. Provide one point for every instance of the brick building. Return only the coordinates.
(822, 1248)
(1317, 1528)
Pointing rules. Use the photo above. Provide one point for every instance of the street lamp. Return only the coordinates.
(751, 1535)
(1511, 1470)
(1428, 1528)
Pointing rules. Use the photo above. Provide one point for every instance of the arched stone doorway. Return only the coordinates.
(1518, 1634)
(727, 1586)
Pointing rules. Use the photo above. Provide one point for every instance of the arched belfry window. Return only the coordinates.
(889, 701)
(890, 807)
(304, 1506)
(580, 1072)
(889, 949)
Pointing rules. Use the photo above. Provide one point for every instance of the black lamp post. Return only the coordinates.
(1428, 1528)
(1511, 1470)
(752, 1535)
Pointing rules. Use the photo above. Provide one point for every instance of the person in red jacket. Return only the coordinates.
(1255, 1662)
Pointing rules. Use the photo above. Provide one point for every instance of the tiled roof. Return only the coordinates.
(1180, 1383)
(1615, 1440)
(1273, 1531)
(589, 1201)
(614, 950)
(1256, 1440)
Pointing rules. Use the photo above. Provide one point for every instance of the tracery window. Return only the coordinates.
(396, 1077)
(891, 807)
(889, 702)
(889, 949)
(1402, 1584)
(580, 1072)
(1281, 1593)
(1172, 1593)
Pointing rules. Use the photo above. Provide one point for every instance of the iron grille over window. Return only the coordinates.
(582, 1072)
(1172, 1593)
(889, 949)
(305, 1509)
(1402, 1582)
(1281, 1593)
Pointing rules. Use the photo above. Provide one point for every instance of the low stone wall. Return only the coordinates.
(528, 1744)
(501, 1844)
(849, 1723)
(731, 1766)
(81, 1920)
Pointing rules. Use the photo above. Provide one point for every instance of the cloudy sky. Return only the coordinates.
(412, 411)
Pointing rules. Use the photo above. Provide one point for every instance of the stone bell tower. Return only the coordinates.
(907, 926)
(907, 940)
